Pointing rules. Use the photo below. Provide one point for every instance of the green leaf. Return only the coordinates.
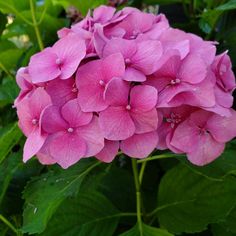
(9, 137)
(83, 6)
(91, 213)
(10, 58)
(147, 231)
(3, 22)
(8, 91)
(7, 170)
(188, 202)
(210, 17)
(218, 230)
(44, 194)
(222, 166)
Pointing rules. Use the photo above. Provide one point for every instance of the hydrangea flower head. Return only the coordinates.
(125, 80)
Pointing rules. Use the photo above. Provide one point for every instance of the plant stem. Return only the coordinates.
(141, 173)
(138, 195)
(9, 224)
(35, 25)
(161, 156)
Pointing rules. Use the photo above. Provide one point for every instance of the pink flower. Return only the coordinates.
(171, 118)
(75, 134)
(177, 76)
(30, 112)
(137, 146)
(92, 78)
(60, 61)
(223, 69)
(139, 57)
(62, 91)
(203, 135)
(124, 116)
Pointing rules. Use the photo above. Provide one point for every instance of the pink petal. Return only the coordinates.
(185, 137)
(223, 129)
(67, 148)
(91, 79)
(72, 113)
(170, 65)
(143, 97)
(43, 155)
(131, 74)
(144, 121)
(38, 101)
(193, 69)
(23, 79)
(33, 143)
(116, 123)
(70, 51)
(139, 145)
(43, 67)
(93, 136)
(118, 45)
(206, 150)
(109, 152)
(61, 91)
(116, 92)
(103, 14)
(144, 59)
(52, 120)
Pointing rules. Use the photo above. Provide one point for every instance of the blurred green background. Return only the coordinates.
(27, 26)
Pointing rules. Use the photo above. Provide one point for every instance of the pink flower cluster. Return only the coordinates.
(126, 80)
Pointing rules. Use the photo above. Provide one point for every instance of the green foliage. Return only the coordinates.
(89, 199)
(91, 213)
(194, 200)
(146, 231)
(44, 194)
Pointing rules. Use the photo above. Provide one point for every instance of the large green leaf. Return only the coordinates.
(188, 202)
(9, 137)
(146, 231)
(44, 194)
(3, 21)
(91, 213)
(218, 230)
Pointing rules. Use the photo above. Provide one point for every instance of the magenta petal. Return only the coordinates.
(33, 143)
(193, 69)
(93, 136)
(223, 129)
(103, 14)
(144, 59)
(143, 97)
(72, 113)
(116, 92)
(145, 121)
(205, 150)
(43, 155)
(43, 67)
(52, 120)
(118, 45)
(67, 148)
(61, 91)
(139, 145)
(185, 137)
(94, 75)
(109, 152)
(131, 74)
(38, 101)
(116, 123)
(70, 50)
